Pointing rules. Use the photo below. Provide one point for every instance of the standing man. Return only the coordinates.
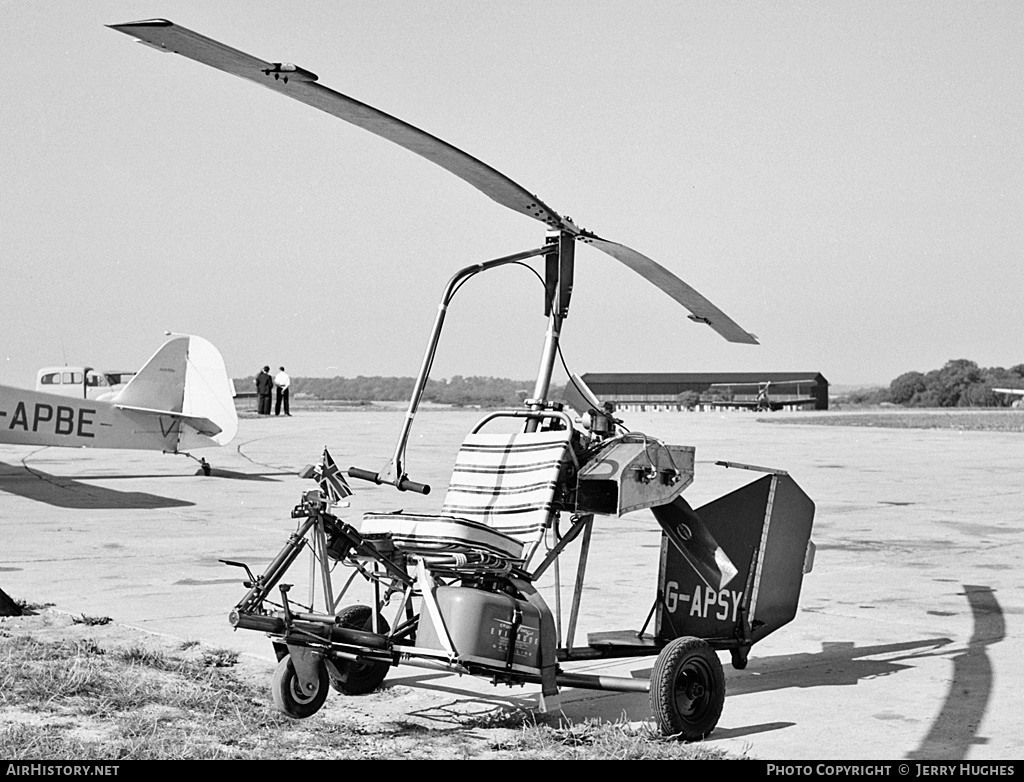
(264, 387)
(281, 380)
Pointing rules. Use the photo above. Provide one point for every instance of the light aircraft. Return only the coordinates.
(181, 400)
(461, 586)
(763, 402)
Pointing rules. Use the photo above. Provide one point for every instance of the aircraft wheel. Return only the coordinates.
(359, 678)
(687, 689)
(289, 694)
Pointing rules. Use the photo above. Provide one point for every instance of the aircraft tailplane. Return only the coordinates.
(203, 426)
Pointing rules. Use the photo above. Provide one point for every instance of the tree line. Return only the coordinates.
(457, 390)
(960, 383)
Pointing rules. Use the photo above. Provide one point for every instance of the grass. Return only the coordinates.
(595, 740)
(549, 738)
(955, 419)
(220, 658)
(98, 700)
(92, 621)
(83, 701)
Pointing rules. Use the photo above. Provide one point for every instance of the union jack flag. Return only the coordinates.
(332, 482)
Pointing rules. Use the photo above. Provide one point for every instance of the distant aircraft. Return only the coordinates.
(1012, 392)
(181, 400)
(762, 403)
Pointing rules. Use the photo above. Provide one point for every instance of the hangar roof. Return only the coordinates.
(701, 377)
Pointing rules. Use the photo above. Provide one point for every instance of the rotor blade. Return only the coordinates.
(302, 85)
(703, 310)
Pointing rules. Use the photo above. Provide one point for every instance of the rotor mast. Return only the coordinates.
(559, 265)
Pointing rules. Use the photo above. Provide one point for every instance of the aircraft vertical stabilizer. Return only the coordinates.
(160, 384)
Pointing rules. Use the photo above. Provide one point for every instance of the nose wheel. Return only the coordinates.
(687, 689)
(295, 697)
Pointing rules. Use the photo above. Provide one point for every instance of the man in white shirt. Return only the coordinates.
(281, 382)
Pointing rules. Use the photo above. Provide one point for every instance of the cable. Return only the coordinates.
(550, 304)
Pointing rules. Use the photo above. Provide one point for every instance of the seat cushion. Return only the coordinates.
(424, 534)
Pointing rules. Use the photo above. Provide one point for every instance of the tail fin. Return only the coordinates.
(765, 529)
(186, 377)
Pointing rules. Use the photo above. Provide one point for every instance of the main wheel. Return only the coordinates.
(289, 694)
(687, 689)
(359, 678)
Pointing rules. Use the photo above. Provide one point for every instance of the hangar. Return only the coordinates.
(643, 391)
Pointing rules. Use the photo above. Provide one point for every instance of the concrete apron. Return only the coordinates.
(904, 645)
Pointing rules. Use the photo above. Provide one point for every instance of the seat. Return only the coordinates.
(499, 501)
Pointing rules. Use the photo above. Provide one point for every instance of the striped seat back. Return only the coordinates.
(508, 482)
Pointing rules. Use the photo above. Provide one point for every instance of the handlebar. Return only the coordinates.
(406, 485)
(363, 475)
(403, 484)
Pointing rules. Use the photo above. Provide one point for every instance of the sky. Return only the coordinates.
(843, 179)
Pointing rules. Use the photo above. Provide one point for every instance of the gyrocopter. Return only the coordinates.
(459, 591)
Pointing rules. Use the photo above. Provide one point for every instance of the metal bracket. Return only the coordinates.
(754, 467)
(307, 663)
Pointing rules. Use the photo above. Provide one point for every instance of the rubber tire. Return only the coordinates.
(359, 678)
(686, 663)
(288, 698)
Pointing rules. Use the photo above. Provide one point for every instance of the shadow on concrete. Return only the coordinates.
(447, 683)
(252, 476)
(466, 703)
(838, 663)
(955, 729)
(749, 730)
(458, 712)
(42, 487)
(953, 733)
(214, 473)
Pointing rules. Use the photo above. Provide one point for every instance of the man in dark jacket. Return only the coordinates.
(264, 388)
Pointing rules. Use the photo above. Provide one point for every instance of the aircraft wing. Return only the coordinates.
(202, 425)
(302, 85)
(775, 404)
